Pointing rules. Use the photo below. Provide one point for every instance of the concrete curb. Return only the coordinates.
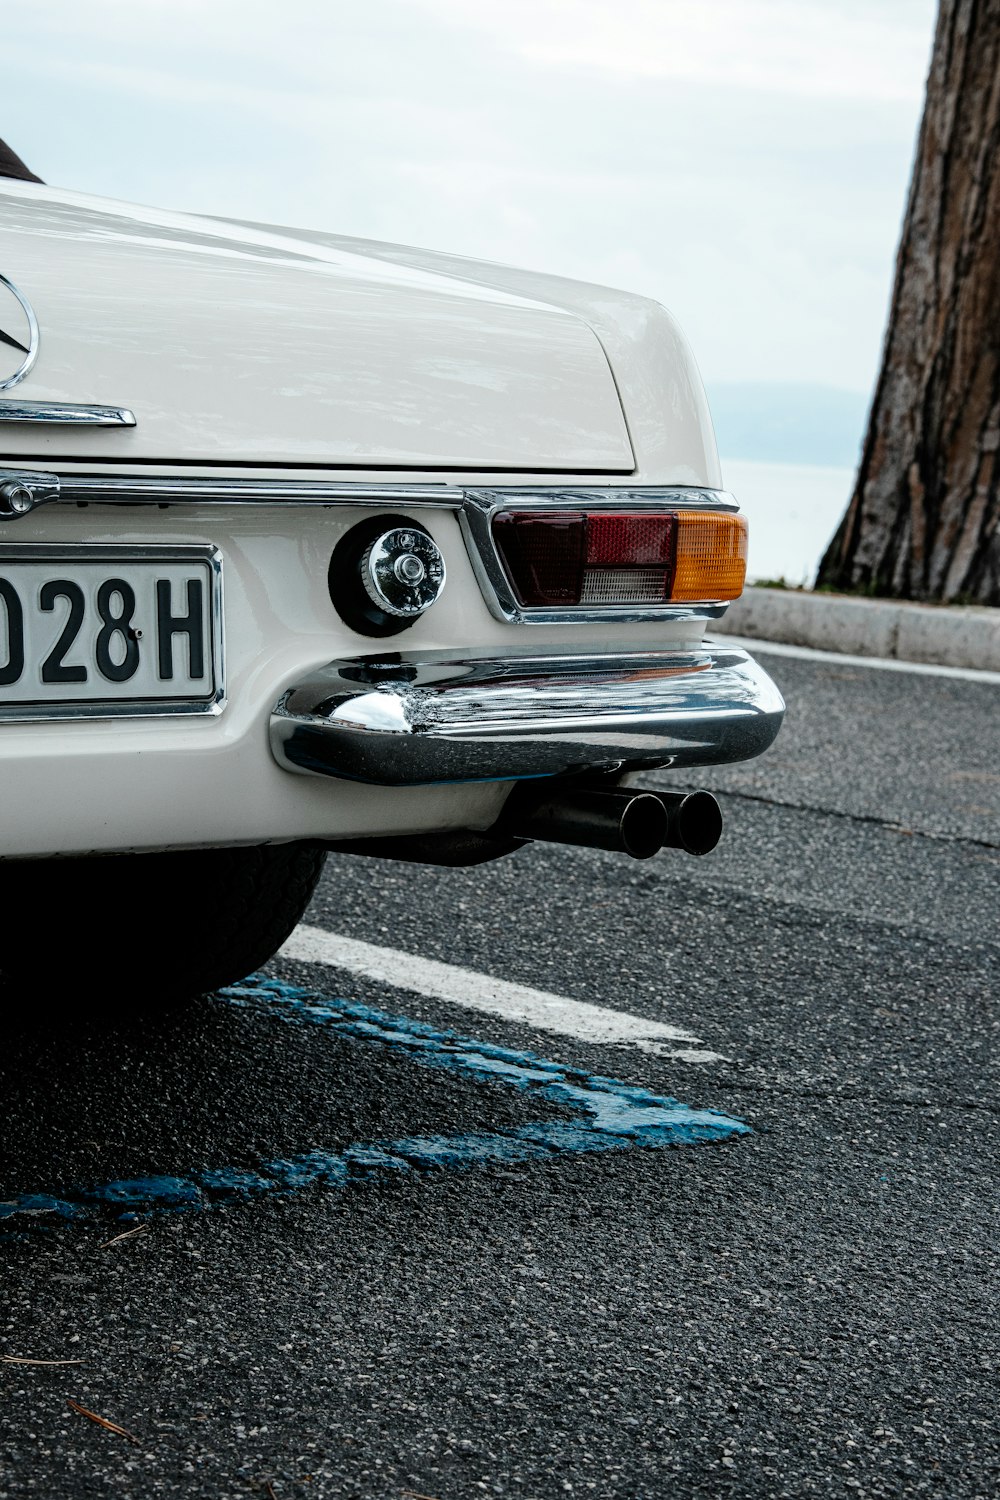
(944, 635)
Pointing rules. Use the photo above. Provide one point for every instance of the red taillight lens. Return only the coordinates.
(543, 554)
(616, 541)
(614, 557)
(587, 557)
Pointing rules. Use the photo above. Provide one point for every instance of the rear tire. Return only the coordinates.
(148, 930)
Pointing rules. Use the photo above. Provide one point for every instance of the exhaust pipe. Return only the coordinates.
(694, 821)
(637, 823)
(634, 823)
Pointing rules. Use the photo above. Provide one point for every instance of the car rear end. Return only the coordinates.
(226, 434)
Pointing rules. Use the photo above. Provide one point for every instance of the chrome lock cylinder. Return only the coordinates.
(15, 500)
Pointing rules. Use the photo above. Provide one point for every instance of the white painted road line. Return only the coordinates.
(497, 997)
(837, 658)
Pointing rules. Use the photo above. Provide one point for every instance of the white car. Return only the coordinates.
(311, 543)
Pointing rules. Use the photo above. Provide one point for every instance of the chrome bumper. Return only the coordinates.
(419, 719)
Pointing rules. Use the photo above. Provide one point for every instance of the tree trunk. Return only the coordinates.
(924, 519)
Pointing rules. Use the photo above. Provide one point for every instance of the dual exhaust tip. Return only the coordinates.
(637, 823)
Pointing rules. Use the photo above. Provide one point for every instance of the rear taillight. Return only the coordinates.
(621, 558)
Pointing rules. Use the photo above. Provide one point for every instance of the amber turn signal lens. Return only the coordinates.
(711, 557)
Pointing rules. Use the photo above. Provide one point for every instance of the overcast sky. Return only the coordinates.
(744, 161)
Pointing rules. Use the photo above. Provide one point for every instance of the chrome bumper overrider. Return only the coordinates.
(422, 718)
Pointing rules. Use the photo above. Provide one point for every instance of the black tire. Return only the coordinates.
(147, 930)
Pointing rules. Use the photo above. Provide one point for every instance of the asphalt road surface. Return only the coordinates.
(388, 1263)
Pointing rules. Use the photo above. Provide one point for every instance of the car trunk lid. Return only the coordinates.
(238, 346)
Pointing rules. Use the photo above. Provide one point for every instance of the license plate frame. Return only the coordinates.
(61, 558)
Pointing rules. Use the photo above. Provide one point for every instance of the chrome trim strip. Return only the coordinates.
(477, 529)
(137, 708)
(65, 413)
(141, 489)
(635, 497)
(236, 490)
(429, 718)
(160, 489)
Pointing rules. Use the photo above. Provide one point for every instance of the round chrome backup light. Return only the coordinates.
(403, 572)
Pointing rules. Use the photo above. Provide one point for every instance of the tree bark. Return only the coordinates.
(924, 518)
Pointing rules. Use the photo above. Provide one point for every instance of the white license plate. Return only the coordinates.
(92, 632)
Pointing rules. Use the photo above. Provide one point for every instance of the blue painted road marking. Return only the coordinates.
(607, 1115)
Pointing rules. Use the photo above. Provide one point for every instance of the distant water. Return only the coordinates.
(793, 510)
(789, 424)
